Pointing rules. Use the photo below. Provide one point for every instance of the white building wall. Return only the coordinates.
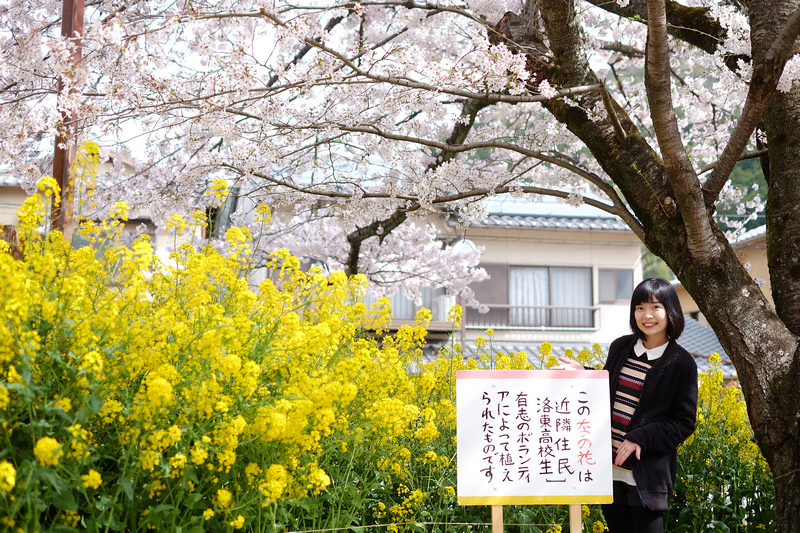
(564, 248)
(11, 198)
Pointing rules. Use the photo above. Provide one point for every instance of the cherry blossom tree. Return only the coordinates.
(364, 119)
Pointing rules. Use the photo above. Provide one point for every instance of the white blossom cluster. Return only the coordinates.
(337, 112)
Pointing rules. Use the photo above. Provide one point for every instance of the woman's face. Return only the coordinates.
(651, 317)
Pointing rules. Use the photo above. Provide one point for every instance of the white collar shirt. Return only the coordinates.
(652, 353)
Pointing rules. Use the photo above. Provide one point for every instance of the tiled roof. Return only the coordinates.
(553, 222)
(701, 342)
(699, 339)
(751, 234)
(9, 180)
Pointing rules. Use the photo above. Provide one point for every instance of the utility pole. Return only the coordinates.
(63, 219)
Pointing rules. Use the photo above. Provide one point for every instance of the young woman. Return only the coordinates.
(653, 384)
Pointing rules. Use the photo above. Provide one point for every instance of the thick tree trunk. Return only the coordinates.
(778, 431)
(762, 343)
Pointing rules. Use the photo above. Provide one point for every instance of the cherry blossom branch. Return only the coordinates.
(408, 4)
(411, 84)
(619, 207)
(589, 176)
(382, 228)
(379, 228)
(689, 24)
(462, 128)
(763, 85)
(307, 48)
(678, 167)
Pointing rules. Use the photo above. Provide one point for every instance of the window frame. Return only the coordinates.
(616, 273)
(491, 295)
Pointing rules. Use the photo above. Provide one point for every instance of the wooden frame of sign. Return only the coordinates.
(532, 437)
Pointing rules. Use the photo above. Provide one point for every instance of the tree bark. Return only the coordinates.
(8, 234)
(63, 216)
(761, 341)
(778, 431)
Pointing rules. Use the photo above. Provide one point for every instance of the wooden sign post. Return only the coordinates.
(533, 437)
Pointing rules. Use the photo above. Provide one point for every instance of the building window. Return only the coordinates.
(405, 309)
(614, 285)
(534, 297)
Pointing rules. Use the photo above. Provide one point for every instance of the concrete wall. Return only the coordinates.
(10, 200)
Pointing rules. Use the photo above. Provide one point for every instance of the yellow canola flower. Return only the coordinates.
(219, 189)
(454, 316)
(274, 484)
(224, 499)
(176, 222)
(318, 480)
(8, 476)
(92, 480)
(5, 398)
(263, 214)
(49, 186)
(177, 463)
(120, 211)
(159, 392)
(92, 362)
(48, 451)
(238, 523)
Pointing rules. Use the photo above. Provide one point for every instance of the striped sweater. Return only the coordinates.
(629, 389)
(664, 416)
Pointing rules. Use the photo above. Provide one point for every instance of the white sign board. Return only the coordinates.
(533, 437)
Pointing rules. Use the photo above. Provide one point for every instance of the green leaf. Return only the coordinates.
(104, 503)
(721, 526)
(65, 501)
(127, 488)
(95, 404)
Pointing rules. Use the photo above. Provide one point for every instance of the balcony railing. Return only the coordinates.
(534, 317)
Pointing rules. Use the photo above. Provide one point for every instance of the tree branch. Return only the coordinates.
(689, 24)
(608, 103)
(678, 167)
(461, 129)
(411, 84)
(750, 155)
(307, 48)
(763, 85)
(379, 228)
(374, 130)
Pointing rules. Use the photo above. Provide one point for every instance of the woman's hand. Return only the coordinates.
(568, 364)
(625, 450)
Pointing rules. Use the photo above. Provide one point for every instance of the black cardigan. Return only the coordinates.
(664, 418)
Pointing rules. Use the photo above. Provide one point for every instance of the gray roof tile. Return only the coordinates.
(9, 180)
(553, 222)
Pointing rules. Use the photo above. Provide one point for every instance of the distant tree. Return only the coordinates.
(655, 267)
(748, 178)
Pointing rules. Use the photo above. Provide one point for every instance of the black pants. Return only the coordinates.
(624, 518)
(628, 515)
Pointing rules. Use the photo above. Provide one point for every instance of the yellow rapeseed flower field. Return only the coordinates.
(140, 394)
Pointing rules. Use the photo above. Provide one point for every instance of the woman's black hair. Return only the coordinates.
(658, 290)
